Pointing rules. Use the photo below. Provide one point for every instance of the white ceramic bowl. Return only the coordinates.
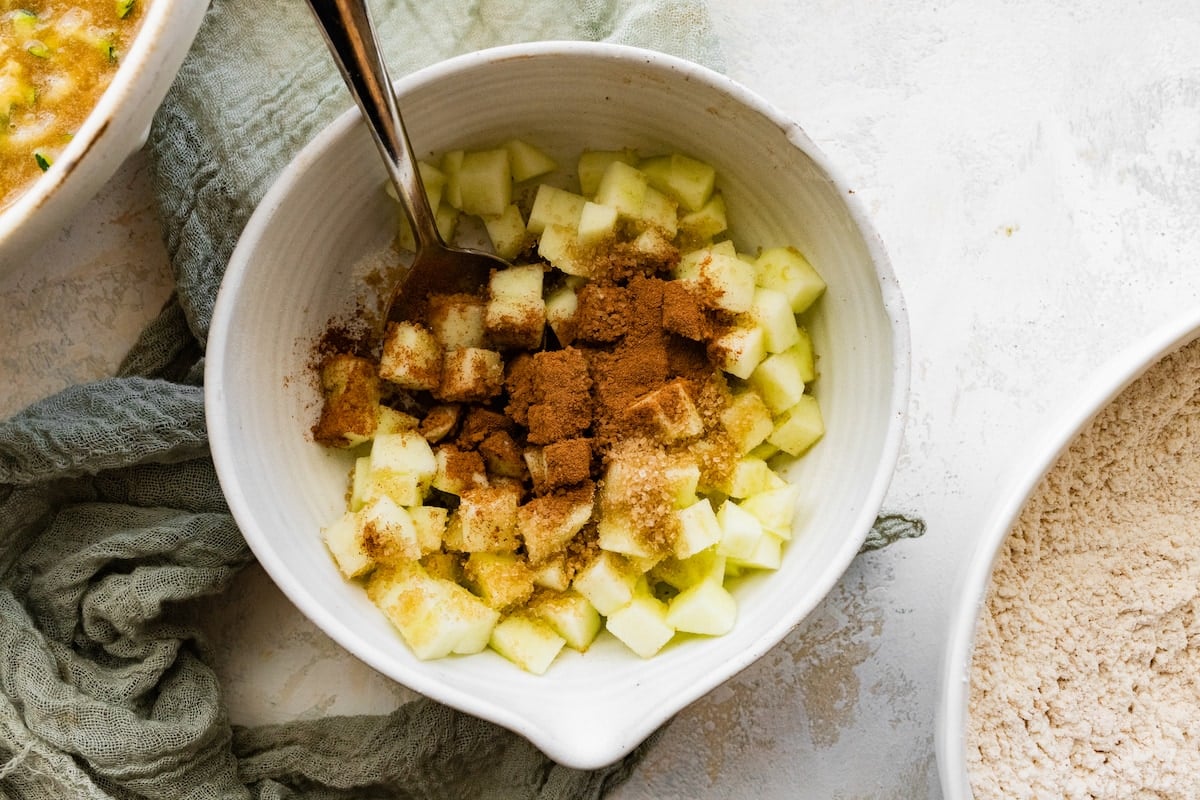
(114, 130)
(294, 268)
(975, 580)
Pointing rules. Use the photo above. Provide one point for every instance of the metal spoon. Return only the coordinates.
(350, 35)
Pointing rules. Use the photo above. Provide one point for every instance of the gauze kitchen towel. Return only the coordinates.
(112, 523)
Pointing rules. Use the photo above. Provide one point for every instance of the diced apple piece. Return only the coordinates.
(447, 566)
(725, 280)
(740, 531)
(771, 311)
(766, 450)
(558, 246)
(767, 554)
(485, 182)
(607, 581)
(554, 206)
(739, 350)
(624, 188)
(393, 421)
(528, 161)
(527, 642)
(561, 305)
(706, 565)
(548, 523)
(747, 420)
(597, 223)
(698, 528)
(570, 615)
(515, 314)
(775, 509)
(707, 221)
(780, 379)
(799, 427)
(471, 374)
(485, 520)
(360, 483)
(451, 165)
(786, 270)
(456, 320)
(641, 625)
(681, 481)
(350, 413)
(705, 608)
(593, 163)
(411, 357)
(750, 476)
(435, 617)
(430, 524)
(502, 580)
(687, 180)
(616, 533)
(553, 574)
(386, 532)
(402, 466)
(506, 231)
(457, 470)
(341, 537)
(667, 413)
(657, 212)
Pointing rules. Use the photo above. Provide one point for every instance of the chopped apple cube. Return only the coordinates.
(705, 222)
(775, 509)
(471, 374)
(558, 245)
(607, 581)
(554, 206)
(526, 641)
(360, 483)
(435, 617)
(705, 608)
(747, 420)
(502, 580)
(402, 466)
(430, 524)
(485, 520)
(386, 532)
(456, 320)
(799, 428)
(506, 231)
(593, 163)
(616, 533)
(624, 188)
(515, 314)
(570, 615)
(528, 161)
(740, 531)
(668, 413)
(450, 166)
(350, 413)
(561, 305)
(767, 553)
(780, 379)
(456, 471)
(341, 537)
(687, 180)
(547, 523)
(411, 357)
(739, 350)
(771, 312)
(641, 625)
(698, 528)
(597, 223)
(657, 212)
(750, 476)
(485, 182)
(393, 421)
(706, 565)
(786, 270)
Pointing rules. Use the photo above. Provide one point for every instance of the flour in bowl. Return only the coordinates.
(1086, 674)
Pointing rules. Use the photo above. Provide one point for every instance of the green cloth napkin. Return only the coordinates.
(112, 523)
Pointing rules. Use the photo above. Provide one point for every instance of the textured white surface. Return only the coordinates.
(1034, 171)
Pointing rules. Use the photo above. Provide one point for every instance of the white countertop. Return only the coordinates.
(1033, 169)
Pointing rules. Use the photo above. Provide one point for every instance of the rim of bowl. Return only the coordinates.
(1021, 481)
(145, 61)
(893, 304)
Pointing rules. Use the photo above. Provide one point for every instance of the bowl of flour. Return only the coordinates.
(1073, 663)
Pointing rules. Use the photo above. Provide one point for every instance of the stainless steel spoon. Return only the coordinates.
(350, 35)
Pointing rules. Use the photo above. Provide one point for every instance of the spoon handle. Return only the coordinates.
(348, 32)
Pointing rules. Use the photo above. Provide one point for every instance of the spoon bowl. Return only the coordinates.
(350, 35)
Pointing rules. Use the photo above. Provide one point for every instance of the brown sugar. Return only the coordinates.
(604, 313)
(567, 462)
(351, 410)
